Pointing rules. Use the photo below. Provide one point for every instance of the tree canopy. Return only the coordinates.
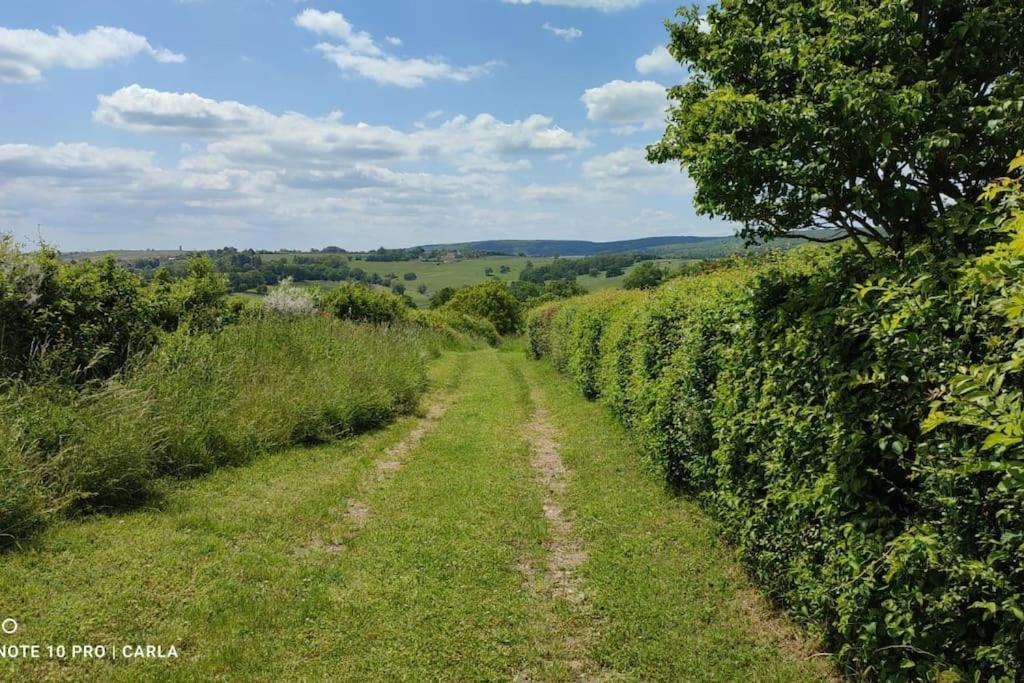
(862, 119)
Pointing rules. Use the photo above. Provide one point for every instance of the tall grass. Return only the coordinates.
(199, 402)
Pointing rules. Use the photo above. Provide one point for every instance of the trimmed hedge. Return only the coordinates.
(856, 427)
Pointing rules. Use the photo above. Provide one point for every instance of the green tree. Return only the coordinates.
(441, 297)
(491, 300)
(864, 119)
(645, 275)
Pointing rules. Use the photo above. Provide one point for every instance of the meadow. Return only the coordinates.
(467, 272)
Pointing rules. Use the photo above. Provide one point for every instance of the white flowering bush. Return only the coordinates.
(287, 299)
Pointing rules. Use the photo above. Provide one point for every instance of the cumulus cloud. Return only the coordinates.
(657, 60)
(247, 134)
(627, 103)
(357, 53)
(567, 34)
(628, 169)
(603, 5)
(26, 53)
(77, 160)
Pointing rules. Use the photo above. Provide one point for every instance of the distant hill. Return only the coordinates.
(583, 247)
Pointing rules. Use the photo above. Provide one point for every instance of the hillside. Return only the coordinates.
(582, 247)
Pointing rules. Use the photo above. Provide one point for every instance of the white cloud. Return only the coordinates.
(70, 160)
(627, 103)
(567, 34)
(657, 60)
(391, 40)
(358, 53)
(247, 134)
(146, 110)
(334, 25)
(405, 73)
(26, 53)
(603, 5)
(627, 169)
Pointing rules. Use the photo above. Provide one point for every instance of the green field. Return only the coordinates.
(469, 272)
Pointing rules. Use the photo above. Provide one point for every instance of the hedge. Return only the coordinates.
(855, 425)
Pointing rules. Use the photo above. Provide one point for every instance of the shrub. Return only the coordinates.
(289, 300)
(441, 297)
(645, 275)
(356, 302)
(409, 277)
(492, 301)
(79, 321)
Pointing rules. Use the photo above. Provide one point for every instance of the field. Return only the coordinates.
(471, 271)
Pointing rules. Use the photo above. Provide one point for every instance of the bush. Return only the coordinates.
(80, 321)
(287, 299)
(645, 275)
(492, 301)
(363, 304)
(441, 297)
(855, 425)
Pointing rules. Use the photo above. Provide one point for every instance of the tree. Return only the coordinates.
(613, 271)
(441, 297)
(409, 277)
(860, 119)
(422, 289)
(492, 300)
(645, 275)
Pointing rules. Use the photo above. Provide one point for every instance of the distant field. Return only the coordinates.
(471, 271)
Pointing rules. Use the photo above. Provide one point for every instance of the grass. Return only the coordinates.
(470, 272)
(199, 402)
(257, 572)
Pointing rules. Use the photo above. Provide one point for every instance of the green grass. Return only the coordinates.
(256, 572)
(470, 272)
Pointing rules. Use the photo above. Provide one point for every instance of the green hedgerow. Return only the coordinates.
(855, 424)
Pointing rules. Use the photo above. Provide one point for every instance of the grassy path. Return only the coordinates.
(507, 534)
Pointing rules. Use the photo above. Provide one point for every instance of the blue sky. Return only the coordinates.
(276, 123)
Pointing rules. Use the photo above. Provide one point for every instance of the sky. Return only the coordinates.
(354, 123)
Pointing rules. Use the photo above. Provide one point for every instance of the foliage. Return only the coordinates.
(441, 297)
(449, 321)
(287, 299)
(856, 426)
(861, 116)
(645, 276)
(359, 303)
(570, 268)
(84, 321)
(197, 300)
(492, 301)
